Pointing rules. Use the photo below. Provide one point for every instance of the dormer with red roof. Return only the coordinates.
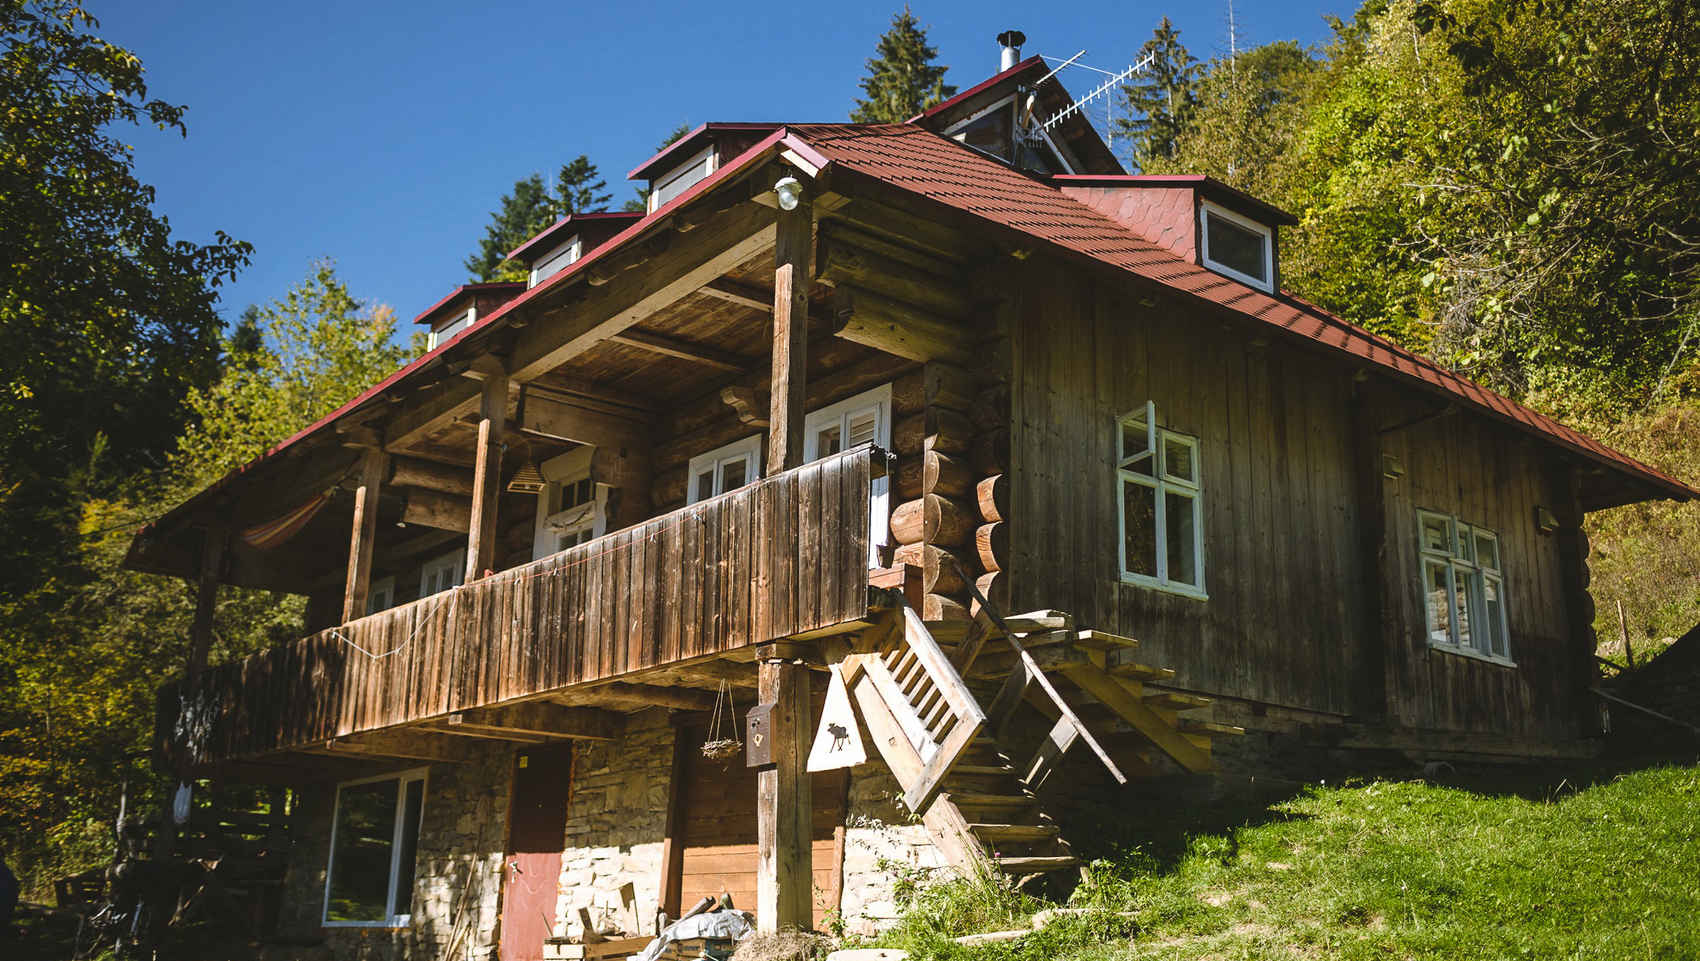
(463, 307)
(562, 243)
(685, 162)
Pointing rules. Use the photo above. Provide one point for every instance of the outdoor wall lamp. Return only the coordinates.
(790, 193)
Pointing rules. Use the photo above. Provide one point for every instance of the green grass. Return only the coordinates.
(1384, 870)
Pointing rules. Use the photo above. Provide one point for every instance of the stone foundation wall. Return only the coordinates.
(457, 887)
(883, 846)
(616, 824)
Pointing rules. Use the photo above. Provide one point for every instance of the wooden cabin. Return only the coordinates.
(1032, 461)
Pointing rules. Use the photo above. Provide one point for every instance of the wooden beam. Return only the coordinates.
(430, 475)
(723, 242)
(747, 295)
(673, 838)
(544, 413)
(434, 509)
(429, 411)
(365, 531)
(542, 719)
(900, 328)
(647, 695)
(748, 403)
(487, 477)
(684, 350)
(412, 745)
(791, 280)
(784, 805)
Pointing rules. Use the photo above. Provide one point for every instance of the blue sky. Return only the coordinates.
(381, 134)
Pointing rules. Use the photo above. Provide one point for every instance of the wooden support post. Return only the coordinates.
(206, 601)
(791, 279)
(487, 475)
(784, 805)
(372, 466)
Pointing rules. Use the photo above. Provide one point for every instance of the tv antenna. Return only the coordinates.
(1080, 103)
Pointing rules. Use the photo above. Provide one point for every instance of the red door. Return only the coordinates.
(537, 832)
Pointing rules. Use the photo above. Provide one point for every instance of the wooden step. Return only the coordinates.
(1176, 700)
(1008, 801)
(1025, 864)
(992, 833)
(1103, 640)
(982, 770)
(1141, 672)
(1189, 725)
(1034, 621)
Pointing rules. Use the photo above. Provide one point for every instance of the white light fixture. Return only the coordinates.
(790, 193)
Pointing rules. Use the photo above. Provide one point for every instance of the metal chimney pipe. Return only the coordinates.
(1010, 41)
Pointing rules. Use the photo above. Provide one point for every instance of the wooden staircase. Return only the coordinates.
(953, 757)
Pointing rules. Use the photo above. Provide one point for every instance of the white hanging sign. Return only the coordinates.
(838, 741)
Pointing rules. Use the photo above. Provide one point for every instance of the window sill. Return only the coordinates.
(393, 924)
(1471, 654)
(1152, 584)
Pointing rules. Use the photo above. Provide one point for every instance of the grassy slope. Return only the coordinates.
(1387, 870)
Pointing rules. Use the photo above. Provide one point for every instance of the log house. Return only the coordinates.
(1035, 456)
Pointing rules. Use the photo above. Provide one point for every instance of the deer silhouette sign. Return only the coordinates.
(840, 736)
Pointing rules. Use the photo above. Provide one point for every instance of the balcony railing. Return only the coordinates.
(783, 556)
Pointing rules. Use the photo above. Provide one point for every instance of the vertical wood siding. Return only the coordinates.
(1484, 475)
(1287, 622)
(782, 556)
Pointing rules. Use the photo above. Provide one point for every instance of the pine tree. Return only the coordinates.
(1161, 101)
(902, 80)
(532, 206)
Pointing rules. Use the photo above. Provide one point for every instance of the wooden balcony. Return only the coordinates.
(787, 555)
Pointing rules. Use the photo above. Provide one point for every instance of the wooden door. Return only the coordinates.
(537, 829)
(718, 831)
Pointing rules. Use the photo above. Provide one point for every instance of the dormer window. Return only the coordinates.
(556, 261)
(1236, 246)
(676, 181)
(442, 333)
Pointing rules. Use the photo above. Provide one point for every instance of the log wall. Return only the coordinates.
(779, 557)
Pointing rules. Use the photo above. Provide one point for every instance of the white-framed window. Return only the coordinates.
(1159, 505)
(556, 261)
(380, 596)
(571, 512)
(862, 419)
(671, 184)
(374, 840)
(442, 573)
(1237, 246)
(1463, 585)
(724, 469)
(443, 333)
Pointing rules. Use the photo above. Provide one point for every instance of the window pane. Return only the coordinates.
(1466, 542)
(1494, 615)
(1437, 534)
(1487, 550)
(360, 859)
(1135, 441)
(1436, 602)
(1235, 247)
(705, 485)
(732, 475)
(827, 441)
(1139, 528)
(1177, 458)
(1461, 604)
(410, 809)
(1180, 523)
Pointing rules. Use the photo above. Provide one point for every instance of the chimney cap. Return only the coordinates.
(1012, 38)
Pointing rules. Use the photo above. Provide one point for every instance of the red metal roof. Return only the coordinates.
(941, 170)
